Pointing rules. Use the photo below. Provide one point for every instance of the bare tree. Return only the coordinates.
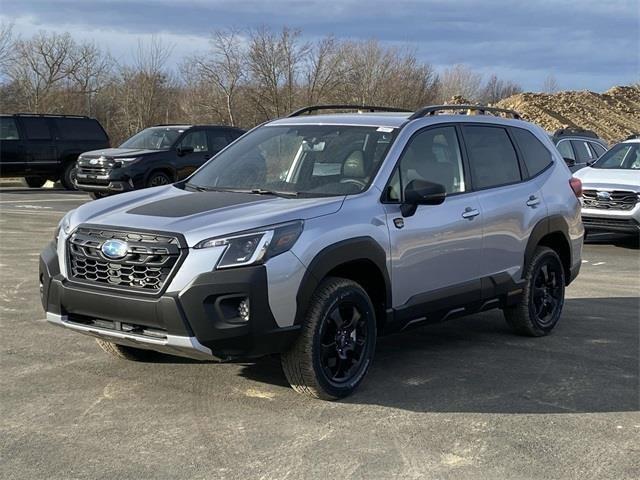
(460, 80)
(496, 89)
(223, 67)
(90, 72)
(6, 45)
(39, 65)
(145, 87)
(325, 70)
(550, 84)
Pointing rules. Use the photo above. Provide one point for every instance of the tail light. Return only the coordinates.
(576, 186)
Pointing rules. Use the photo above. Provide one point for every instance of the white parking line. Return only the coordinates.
(64, 199)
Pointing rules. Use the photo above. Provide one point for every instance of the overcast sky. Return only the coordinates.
(585, 44)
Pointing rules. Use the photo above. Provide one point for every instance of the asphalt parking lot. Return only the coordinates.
(464, 399)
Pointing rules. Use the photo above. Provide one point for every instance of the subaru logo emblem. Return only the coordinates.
(94, 161)
(114, 249)
(603, 196)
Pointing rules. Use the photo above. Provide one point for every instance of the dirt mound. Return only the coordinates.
(613, 115)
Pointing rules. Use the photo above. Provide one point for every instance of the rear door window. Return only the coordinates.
(36, 128)
(535, 155)
(8, 129)
(79, 129)
(583, 153)
(218, 140)
(492, 157)
(566, 150)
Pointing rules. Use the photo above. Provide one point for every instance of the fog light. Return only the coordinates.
(243, 309)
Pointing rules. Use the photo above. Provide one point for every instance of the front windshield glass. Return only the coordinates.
(625, 156)
(311, 160)
(154, 138)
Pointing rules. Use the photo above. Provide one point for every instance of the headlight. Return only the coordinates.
(255, 246)
(64, 225)
(125, 161)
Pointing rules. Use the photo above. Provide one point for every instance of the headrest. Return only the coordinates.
(354, 165)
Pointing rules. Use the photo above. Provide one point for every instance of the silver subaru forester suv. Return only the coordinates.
(311, 235)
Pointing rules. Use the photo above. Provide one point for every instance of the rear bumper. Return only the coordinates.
(197, 322)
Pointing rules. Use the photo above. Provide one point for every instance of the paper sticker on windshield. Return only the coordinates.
(384, 129)
(326, 169)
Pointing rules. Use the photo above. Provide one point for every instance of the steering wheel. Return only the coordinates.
(359, 183)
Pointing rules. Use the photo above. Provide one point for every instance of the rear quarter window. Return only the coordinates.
(535, 155)
(79, 129)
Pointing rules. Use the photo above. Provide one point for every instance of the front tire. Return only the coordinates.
(540, 307)
(157, 179)
(335, 348)
(35, 181)
(124, 352)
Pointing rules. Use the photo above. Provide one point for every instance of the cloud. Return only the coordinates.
(585, 44)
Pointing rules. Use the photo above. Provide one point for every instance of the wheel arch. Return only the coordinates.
(552, 232)
(360, 259)
(169, 170)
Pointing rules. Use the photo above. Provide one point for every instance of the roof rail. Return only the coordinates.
(482, 109)
(360, 108)
(633, 136)
(49, 115)
(565, 132)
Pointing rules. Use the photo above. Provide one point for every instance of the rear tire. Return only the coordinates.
(335, 348)
(35, 181)
(68, 177)
(540, 307)
(157, 179)
(124, 352)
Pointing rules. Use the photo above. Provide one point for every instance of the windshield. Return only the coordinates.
(625, 156)
(315, 160)
(154, 138)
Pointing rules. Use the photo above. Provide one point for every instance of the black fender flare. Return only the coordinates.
(334, 255)
(546, 226)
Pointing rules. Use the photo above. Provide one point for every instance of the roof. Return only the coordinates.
(387, 119)
(392, 120)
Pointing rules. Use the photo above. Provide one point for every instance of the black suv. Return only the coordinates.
(46, 147)
(155, 156)
(578, 147)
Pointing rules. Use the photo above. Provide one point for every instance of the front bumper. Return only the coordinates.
(610, 223)
(195, 322)
(102, 184)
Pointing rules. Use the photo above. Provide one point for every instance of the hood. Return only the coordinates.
(118, 153)
(609, 179)
(199, 215)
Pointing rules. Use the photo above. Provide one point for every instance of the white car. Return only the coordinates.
(611, 190)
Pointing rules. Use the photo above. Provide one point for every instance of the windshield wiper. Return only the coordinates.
(263, 191)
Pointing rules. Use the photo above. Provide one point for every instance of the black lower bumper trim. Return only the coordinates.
(195, 312)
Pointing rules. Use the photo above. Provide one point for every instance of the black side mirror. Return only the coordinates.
(421, 192)
(184, 150)
(571, 162)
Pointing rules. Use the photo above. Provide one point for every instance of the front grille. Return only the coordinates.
(94, 169)
(148, 264)
(610, 222)
(617, 199)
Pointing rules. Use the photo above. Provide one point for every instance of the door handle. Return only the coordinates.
(470, 213)
(533, 201)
